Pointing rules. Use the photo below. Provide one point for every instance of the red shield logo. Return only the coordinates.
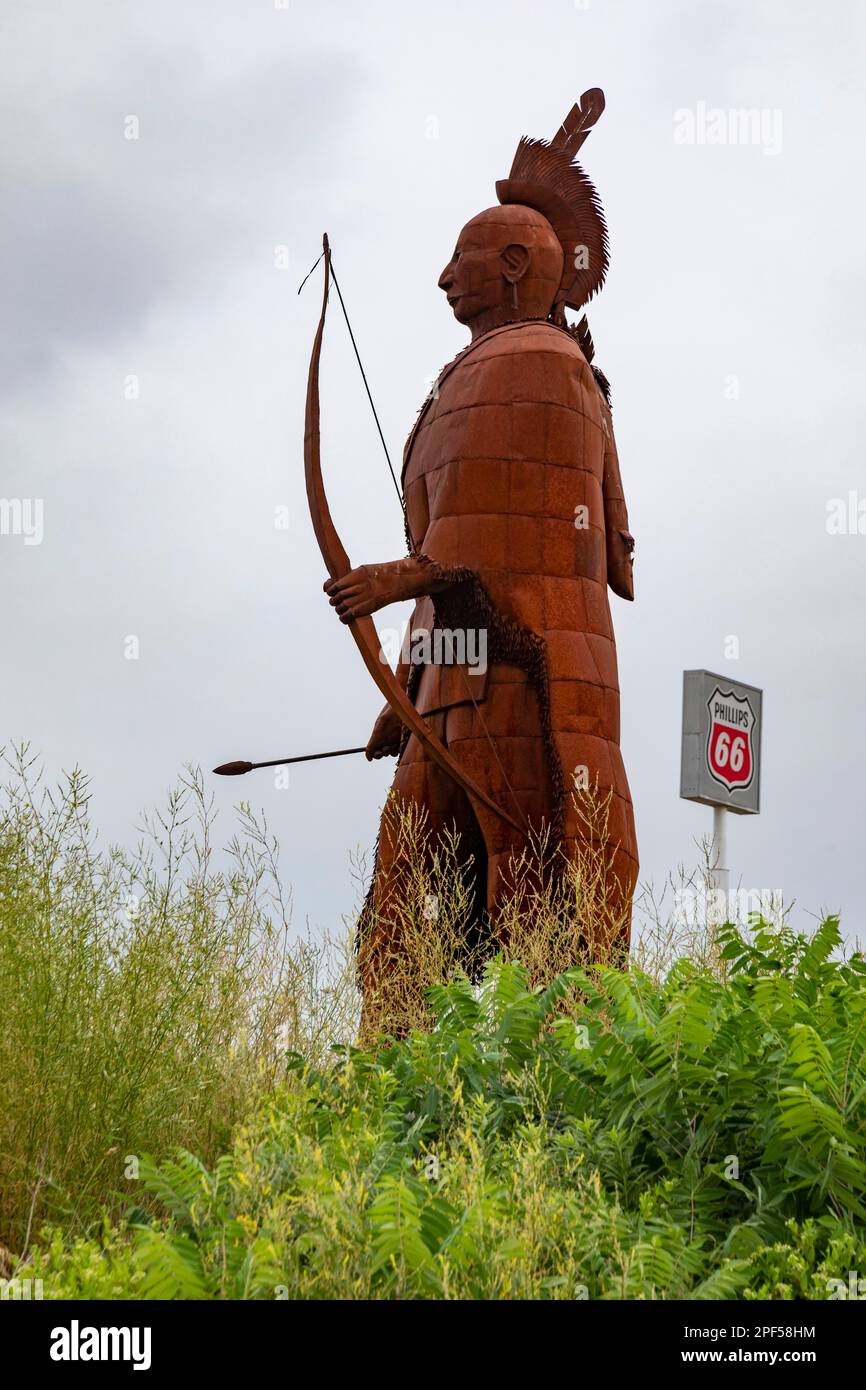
(730, 755)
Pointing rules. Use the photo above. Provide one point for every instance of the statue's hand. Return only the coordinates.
(620, 563)
(370, 587)
(385, 738)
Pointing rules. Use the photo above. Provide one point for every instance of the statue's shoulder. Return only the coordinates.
(515, 363)
(567, 354)
(534, 359)
(534, 335)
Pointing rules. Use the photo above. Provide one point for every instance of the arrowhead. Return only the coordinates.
(233, 769)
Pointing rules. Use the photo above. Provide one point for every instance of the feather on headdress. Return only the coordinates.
(545, 176)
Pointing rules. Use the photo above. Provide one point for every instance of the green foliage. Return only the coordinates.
(147, 1000)
(606, 1137)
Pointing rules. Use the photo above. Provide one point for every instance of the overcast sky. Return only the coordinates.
(731, 330)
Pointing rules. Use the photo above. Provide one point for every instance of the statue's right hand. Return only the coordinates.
(386, 736)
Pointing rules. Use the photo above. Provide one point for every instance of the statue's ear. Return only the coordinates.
(515, 262)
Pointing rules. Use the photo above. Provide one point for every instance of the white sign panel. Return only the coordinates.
(721, 748)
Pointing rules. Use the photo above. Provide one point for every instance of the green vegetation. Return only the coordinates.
(148, 999)
(700, 1133)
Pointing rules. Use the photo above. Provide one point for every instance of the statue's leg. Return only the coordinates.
(519, 775)
(386, 935)
(501, 745)
(600, 837)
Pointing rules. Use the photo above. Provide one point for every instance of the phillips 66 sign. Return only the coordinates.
(721, 754)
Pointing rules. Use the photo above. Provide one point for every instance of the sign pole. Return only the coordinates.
(719, 859)
(721, 763)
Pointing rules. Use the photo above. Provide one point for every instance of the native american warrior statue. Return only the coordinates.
(516, 526)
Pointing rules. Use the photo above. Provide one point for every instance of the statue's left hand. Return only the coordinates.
(370, 587)
(620, 563)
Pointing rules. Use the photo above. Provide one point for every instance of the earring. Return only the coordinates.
(514, 303)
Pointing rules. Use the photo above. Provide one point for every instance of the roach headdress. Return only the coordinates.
(545, 176)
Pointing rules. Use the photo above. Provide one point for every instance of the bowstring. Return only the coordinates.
(400, 497)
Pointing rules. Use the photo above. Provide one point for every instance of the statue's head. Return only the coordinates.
(545, 249)
(507, 264)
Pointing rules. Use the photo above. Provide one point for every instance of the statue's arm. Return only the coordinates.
(370, 587)
(620, 541)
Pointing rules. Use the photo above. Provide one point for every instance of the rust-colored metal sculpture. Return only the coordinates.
(517, 525)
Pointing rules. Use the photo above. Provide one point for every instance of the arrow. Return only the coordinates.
(239, 768)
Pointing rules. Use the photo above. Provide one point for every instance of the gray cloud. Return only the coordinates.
(102, 229)
(261, 127)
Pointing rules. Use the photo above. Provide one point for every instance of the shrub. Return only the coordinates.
(148, 999)
(606, 1136)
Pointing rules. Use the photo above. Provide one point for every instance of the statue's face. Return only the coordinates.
(506, 265)
(472, 279)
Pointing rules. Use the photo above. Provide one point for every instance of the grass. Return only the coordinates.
(186, 1111)
(149, 999)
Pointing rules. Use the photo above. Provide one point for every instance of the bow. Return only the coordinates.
(337, 563)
